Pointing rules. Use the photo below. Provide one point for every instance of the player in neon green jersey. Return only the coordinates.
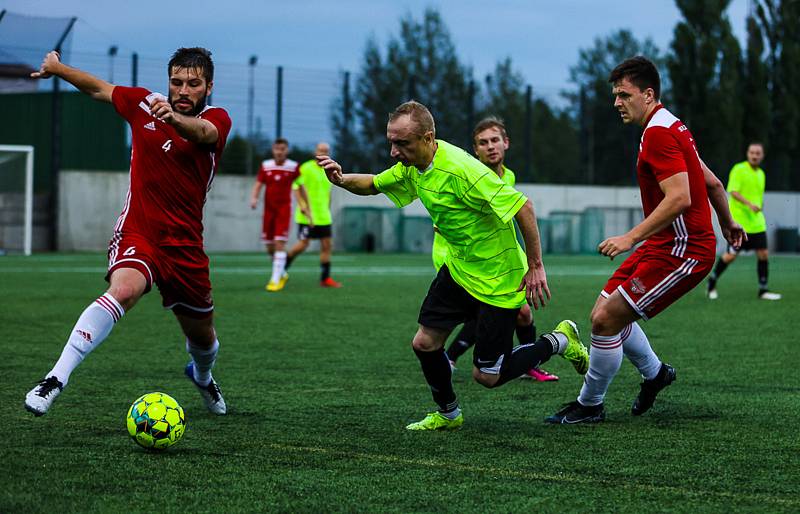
(318, 189)
(746, 187)
(490, 142)
(486, 275)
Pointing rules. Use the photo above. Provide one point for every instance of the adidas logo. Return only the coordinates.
(150, 126)
(86, 335)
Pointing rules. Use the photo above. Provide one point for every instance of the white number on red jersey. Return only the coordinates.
(166, 146)
(130, 251)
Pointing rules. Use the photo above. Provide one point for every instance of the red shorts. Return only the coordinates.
(651, 279)
(180, 272)
(276, 223)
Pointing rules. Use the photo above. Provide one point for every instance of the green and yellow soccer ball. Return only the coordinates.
(156, 421)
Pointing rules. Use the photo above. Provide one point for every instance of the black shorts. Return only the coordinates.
(757, 241)
(448, 304)
(316, 232)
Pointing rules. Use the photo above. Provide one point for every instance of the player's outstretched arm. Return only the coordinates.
(304, 203)
(535, 280)
(733, 232)
(360, 184)
(677, 198)
(98, 89)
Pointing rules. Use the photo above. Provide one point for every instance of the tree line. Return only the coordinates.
(727, 96)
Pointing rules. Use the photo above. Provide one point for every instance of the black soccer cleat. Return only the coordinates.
(650, 388)
(574, 413)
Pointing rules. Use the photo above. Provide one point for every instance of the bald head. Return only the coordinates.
(322, 148)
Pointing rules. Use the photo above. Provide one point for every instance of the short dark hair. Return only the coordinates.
(487, 123)
(419, 114)
(196, 57)
(640, 71)
(281, 141)
(757, 143)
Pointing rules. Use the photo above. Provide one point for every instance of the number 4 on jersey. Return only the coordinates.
(166, 146)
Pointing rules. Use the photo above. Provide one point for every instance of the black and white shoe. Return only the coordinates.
(211, 393)
(40, 398)
(574, 413)
(650, 388)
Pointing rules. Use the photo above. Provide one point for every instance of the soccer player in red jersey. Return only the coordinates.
(678, 247)
(278, 174)
(177, 142)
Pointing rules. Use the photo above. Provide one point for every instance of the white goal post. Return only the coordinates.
(28, 223)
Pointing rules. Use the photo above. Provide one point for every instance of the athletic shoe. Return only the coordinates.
(712, 294)
(283, 280)
(576, 352)
(539, 375)
(329, 282)
(766, 295)
(210, 393)
(40, 398)
(437, 421)
(650, 388)
(574, 413)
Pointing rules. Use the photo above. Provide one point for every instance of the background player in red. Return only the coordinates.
(277, 175)
(678, 251)
(177, 142)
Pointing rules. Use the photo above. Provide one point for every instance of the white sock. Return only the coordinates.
(204, 359)
(638, 350)
(278, 265)
(604, 362)
(93, 326)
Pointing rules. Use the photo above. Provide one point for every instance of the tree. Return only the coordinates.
(706, 72)
(755, 126)
(553, 136)
(609, 147)
(780, 22)
(421, 64)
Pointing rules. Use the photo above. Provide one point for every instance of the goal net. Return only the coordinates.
(16, 199)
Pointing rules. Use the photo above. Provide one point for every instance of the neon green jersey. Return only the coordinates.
(749, 183)
(439, 251)
(318, 188)
(474, 211)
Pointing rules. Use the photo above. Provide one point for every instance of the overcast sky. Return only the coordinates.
(541, 37)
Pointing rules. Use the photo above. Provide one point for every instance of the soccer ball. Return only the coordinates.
(156, 421)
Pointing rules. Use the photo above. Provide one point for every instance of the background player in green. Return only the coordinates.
(746, 189)
(486, 275)
(318, 189)
(490, 142)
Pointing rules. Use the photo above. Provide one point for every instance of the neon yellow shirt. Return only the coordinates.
(474, 212)
(318, 188)
(439, 250)
(749, 183)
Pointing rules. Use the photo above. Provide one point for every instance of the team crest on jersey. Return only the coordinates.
(637, 286)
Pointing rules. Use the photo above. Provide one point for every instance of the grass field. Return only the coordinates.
(320, 384)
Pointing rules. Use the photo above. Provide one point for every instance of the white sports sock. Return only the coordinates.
(278, 266)
(638, 350)
(204, 359)
(93, 326)
(604, 362)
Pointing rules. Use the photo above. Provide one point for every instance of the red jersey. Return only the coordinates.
(667, 148)
(278, 178)
(169, 176)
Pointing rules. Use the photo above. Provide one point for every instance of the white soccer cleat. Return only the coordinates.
(766, 295)
(40, 398)
(713, 295)
(211, 393)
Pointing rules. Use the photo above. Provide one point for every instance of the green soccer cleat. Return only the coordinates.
(576, 352)
(437, 421)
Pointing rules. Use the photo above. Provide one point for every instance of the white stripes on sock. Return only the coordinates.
(92, 327)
